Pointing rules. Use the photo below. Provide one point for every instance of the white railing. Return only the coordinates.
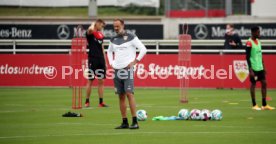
(156, 43)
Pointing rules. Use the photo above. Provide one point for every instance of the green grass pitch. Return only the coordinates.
(33, 115)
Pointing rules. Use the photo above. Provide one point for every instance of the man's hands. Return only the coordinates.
(232, 43)
(132, 63)
(251, 73)
(91, 28)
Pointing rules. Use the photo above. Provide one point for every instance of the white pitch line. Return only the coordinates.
(33, 110)
(68, 109)
(19, 105)
(253, 127)
(132, 132)
(82, 124)
(12, 111)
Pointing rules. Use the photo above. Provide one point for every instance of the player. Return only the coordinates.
(232, 39)
(124, 45)
(96, 60)
(256, 68)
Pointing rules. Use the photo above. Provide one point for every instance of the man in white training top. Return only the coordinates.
(124, 45)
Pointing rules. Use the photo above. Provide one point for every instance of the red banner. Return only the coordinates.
(206, 71)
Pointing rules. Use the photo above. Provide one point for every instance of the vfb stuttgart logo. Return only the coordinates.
(241, 69)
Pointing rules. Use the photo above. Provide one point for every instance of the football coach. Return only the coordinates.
(123, 46)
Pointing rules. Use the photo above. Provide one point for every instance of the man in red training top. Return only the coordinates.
(96, 60)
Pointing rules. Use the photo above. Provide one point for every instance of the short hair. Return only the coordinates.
(120, 20)
(100, 21)
(254, 29)
(231, 25)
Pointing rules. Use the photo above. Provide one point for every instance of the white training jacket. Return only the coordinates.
(124, 49)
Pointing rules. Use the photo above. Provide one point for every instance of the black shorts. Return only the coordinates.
(258, 76)
(97, 68)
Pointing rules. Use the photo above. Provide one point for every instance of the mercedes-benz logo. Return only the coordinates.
(63, 32)
(201, 31)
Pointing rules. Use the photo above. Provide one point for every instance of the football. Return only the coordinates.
(205, 115)
(195, 114)
(184, 114)
(216, 115)
(141, 115)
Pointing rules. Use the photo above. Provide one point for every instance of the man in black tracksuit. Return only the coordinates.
(232, 40)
